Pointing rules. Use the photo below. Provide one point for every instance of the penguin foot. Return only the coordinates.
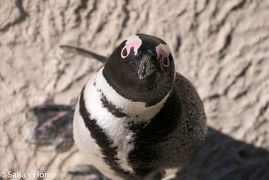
(158, 176)
(86, 172)
(54, 126)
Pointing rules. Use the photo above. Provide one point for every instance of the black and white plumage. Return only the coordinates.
(136, 116)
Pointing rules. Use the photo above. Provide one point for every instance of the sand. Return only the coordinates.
(221, 46)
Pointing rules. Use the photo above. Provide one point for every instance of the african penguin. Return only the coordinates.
(136, 116)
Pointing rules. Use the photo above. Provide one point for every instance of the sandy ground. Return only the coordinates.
(221, 46)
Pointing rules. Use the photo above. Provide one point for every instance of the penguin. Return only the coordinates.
(136, 116)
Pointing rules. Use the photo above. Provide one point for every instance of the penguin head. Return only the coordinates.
(141, 69)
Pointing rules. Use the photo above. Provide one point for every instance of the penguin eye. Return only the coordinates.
(124, 53)
(165, 61)
(163, 56)
(127, 49)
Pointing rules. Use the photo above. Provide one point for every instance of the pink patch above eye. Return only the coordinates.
(127, 47)
(164, 56)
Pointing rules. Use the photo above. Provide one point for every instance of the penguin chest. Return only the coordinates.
(100, 151)
(101, 133)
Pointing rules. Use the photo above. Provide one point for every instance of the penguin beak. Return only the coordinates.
(146, 67)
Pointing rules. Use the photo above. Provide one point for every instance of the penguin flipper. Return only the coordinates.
(53, 125)
(84, 52)
(86, 172)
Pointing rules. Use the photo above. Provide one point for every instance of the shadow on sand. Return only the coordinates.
(223, 157)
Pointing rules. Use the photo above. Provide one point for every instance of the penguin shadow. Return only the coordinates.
(223, 157)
